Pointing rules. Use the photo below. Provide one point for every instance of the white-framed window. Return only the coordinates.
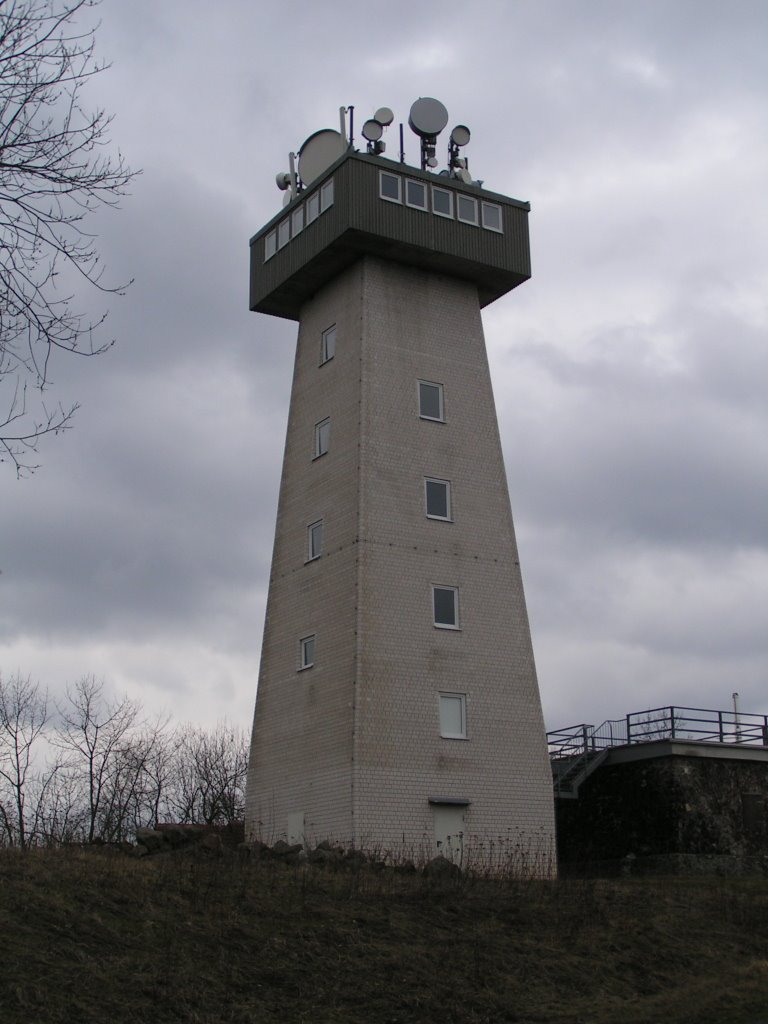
(437, 498)
(431, 400)
(415, 194)
(453, 715)
(283, 233)
(466, 209)
(442, 202)
(313, 207)
(297, 221)
(322, 437)
(270, 245)
(491, 214)
(328, 344)
(326, 195)
(445, 606)
(390, 187)
(314, 540)
(306, 652)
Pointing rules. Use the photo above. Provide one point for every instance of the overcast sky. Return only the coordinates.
(630, 373)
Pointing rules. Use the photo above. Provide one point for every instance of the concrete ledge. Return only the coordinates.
(686, 748)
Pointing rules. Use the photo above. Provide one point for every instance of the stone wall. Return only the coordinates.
(679, 812)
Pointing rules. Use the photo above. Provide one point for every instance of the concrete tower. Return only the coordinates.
(397, 707)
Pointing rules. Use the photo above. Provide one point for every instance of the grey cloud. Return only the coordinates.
(629, 372)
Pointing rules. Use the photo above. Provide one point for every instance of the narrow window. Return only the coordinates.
(326, 196)
(322, 437)
(306, 652)
(438, 498)
(466, 209)
(416, 194)
(430, 400)
(389, 187)
(445, 603)
(314, 540)
(313, 207)
(492, 217)
(297, 221)
(453, 716)
(270, 245)
(283, 233)
(328, 344)
(442, 202)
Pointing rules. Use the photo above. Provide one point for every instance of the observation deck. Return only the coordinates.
(367, 205)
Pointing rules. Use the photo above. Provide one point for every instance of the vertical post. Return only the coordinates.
(672, 723)
(292, 174)
(720, 725)
(765, 730)
(343, 127)
(629, 726)
(585, 738)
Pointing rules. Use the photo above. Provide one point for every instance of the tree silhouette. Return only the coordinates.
(54, 172)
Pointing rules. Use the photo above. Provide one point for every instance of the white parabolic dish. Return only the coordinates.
(318, 152)
(428, 117)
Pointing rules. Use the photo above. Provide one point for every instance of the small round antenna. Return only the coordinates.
(318, 152)
(384, 116)
(457, 165)
(283, 180)
(372, 130)
(460, 135)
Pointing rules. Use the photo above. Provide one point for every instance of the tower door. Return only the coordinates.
(449, 830)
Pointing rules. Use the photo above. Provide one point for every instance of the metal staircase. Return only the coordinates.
(576, 752)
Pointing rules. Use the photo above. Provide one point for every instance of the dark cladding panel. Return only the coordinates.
(359, 222)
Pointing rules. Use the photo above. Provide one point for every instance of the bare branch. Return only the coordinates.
(23, 715)
(54, 172)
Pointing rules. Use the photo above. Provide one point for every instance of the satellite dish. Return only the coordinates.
(460, 135)
(463, 175)
(428, 117)
(319, 151)
(384, 116)
(372, 130)
(283, 180)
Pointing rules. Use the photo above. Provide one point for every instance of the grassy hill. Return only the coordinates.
(93, 936)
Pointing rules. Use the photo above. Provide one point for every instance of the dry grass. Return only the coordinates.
(91, 937)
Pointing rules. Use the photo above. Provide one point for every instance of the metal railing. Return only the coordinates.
(574, 751)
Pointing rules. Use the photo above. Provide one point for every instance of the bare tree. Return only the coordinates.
(136, 785)
(113, 771)
(53, 172)
(211, 768)
(158, 748)
(23, 715)
(60, 811)
(95, 733)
